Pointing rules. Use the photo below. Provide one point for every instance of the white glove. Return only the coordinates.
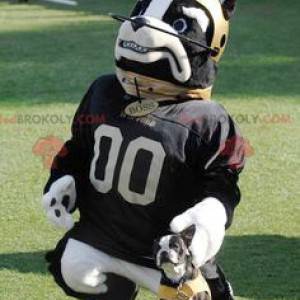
(59, 201)
(209, 217)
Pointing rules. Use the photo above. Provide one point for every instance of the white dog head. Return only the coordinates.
(143, 50)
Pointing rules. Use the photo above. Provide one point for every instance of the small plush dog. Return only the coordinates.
(173, 257)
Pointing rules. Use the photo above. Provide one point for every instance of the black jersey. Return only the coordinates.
(134, 175)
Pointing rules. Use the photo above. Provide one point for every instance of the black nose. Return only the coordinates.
(138, 23)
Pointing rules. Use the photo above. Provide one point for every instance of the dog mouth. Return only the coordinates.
(178, 262)
(135, 47)
(131, 45)
(174, 265)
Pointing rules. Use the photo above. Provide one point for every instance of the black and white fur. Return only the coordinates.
(173, 257)
(155, 54)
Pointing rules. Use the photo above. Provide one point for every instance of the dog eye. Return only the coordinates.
(176, 246)
(180, 25)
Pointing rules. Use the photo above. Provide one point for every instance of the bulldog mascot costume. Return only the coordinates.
(150, 155)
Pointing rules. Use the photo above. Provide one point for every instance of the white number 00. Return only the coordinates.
(141, 143)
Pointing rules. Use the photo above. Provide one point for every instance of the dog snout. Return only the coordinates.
(164, 257)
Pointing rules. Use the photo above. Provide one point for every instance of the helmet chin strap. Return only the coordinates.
(212, 51)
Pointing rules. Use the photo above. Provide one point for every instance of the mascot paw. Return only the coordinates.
(59, 201)
(209, 218)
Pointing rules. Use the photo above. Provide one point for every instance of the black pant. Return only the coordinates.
(119, 288)
(215, 277)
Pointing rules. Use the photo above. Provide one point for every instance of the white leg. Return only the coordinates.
(83, 269)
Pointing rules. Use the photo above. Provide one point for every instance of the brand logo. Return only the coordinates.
(141, 108)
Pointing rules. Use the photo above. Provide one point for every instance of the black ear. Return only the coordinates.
(188, 234)
(228, 8)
